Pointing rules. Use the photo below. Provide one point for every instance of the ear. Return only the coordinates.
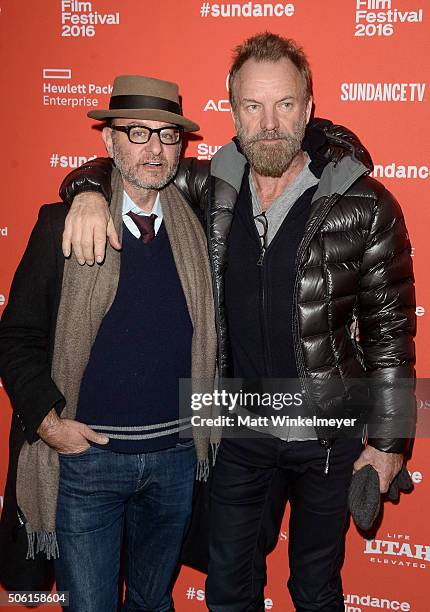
(107, 139)
(309, 109)
(235, 118)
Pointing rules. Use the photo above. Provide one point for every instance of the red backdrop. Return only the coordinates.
(370, 60)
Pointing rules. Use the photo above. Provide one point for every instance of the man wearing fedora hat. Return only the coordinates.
(91, 358)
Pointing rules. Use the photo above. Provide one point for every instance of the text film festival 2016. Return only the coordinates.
(371, 66)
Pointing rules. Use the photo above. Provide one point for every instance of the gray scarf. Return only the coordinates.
(87, 294)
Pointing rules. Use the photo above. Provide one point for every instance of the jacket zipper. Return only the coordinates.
(326, 444)
(213, 276)
(267, 357)
(264, 319)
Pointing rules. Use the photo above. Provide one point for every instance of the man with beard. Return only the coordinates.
(303, 246)
(96, 416)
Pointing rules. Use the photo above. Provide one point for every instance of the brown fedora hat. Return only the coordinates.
(139, 97)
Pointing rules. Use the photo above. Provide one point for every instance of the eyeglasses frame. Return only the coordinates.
(127, 128)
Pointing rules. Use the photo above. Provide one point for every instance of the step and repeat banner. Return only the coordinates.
(370, 61)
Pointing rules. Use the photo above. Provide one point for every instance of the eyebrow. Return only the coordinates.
(277, 101)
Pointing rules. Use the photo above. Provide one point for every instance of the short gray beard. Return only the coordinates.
(129, 174)
(272, 159)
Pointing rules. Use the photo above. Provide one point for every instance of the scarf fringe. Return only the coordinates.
(215, 449)
(202, 473)
(46, 542)
(203, 466)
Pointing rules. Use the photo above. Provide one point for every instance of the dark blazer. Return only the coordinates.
(27, 331)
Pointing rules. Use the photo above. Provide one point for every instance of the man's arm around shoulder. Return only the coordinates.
(87, 190)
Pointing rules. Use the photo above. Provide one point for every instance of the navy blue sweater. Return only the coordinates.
(130, 386)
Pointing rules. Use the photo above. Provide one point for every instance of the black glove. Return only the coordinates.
(402, 482)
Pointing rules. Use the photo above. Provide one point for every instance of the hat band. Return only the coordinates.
(129, 102)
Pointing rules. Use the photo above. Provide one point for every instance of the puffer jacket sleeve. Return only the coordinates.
(387, 323)
(192, 180)
(94, 175)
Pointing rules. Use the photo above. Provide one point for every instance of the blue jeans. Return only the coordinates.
(106, 500)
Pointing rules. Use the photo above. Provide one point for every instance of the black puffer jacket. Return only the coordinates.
(353, 265)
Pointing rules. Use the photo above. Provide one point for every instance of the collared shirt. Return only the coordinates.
(128, 205)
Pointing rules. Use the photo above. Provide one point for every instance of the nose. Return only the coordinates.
(154, 144)
(269, 119)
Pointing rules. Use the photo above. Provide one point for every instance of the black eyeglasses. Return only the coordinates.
(262, 219)
(140, 134)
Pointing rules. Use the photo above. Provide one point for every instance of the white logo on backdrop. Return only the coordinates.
(401, 171)
(246, 9)
(68, 92)
(59, 160)
(382, 92)
(398, 550)
(206, 151)
(370, 601)
(80, 20)
(383, 18)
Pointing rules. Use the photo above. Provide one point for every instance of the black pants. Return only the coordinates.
(252, 480)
